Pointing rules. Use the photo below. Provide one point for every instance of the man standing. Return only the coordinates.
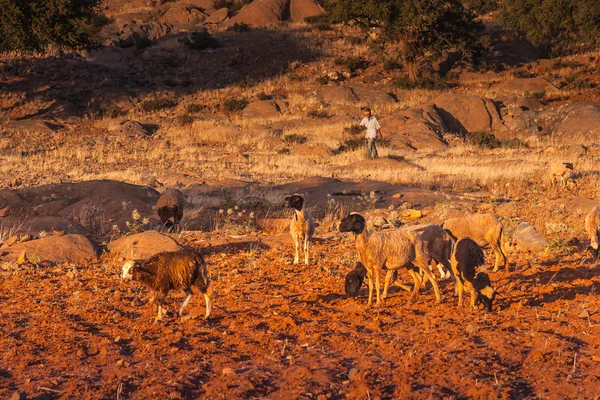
(373, 133)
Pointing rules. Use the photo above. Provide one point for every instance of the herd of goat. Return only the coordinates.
(454, 247)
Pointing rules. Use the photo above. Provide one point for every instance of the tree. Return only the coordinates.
(553, 23)
(423, 29)
(29, 26)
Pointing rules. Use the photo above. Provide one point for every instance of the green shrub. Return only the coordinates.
(34, 26)
(201, 40)
(294, 139)
(158, 104)
(481, 6)
(483, 139)
(235, 105)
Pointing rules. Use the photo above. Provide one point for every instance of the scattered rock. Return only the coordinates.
(584, 314)
(522, 86)
(38, 126)
(528, 239)
(261, 13)
(134, 128)
(319, 150)
(471, 329)
(142, 246)
(261, 109)
(76, 249)
(217, 17)
(338, 95)
(301, 9)
(352, 373)
(228, 371)
(110, 99)
(4, 211)
(19, 396)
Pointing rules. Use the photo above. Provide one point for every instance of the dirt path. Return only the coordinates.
(283, 331)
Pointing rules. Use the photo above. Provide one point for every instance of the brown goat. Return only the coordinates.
(172, 270)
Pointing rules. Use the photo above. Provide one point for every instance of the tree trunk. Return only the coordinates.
(412, 70)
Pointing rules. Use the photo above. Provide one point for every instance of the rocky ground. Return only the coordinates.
(281, 331)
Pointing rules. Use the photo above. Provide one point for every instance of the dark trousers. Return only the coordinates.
(371, 148)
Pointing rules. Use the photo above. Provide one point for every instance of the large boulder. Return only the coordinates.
(523, 86)
(528, 239)
(372, 97)
(76, 249)
(33, 125)
(63, 111)
(261, 109)
(415, 128)
(468, 113)
(301, 9)
(218, 16)
(575, 121)
(142, 245)
(338, 95)
(261, 13)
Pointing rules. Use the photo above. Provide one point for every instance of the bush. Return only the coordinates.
(185, 119)
(235, 105)
(263, 96)
(352, 63)
(239, 27)
(514, 143)
(351, 144)
(481, 6)
(322, 80)
(390, 63)
(195, 108)
(483, 139)
(34, 26)
(158, 104)
(354, 40)
(318, 114)
(435, 83)
(553, 24)
(354, 129)
(294, 139)
(201, 40)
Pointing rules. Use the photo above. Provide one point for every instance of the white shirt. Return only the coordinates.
(372, 126)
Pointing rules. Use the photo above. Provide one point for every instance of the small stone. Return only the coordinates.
(22, 258)
(58, 233)
(19, 396)
(173, 350)
(120, 362)
(25, 238)
(352, 373)
(4, 211)
(584, 314)
(471, 329)
(10, 241)
(70, 275)
(228, 371)
(397, 196)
